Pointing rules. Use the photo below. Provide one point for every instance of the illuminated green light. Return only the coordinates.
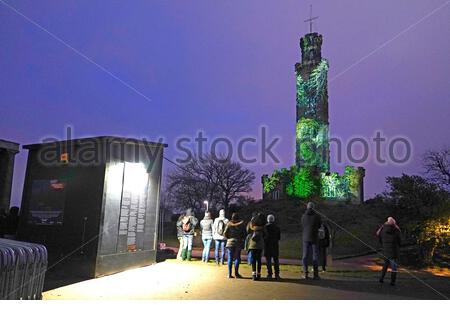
(302, 183)
(310, 176)
(271, 182)
(312, 143)
(312, 90)
(334, 186)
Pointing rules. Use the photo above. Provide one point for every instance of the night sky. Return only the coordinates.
(224, 67)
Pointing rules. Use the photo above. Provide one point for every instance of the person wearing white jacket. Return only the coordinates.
(219, 238)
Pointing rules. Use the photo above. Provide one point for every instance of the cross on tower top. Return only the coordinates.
(311, 19)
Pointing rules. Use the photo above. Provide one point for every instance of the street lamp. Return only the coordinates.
(207, 205)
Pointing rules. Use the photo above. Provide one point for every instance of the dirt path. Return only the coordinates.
(195, 280)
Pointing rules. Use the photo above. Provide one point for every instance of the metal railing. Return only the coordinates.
(22, 270)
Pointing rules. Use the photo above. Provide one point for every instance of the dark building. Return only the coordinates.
(8, 152)
(94, 203)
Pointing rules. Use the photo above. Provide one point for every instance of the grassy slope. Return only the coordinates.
(359, 221)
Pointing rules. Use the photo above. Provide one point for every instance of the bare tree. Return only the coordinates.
(233, 180)
(218, 180)
(437, 166)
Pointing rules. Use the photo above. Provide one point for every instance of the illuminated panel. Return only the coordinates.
(133, 206)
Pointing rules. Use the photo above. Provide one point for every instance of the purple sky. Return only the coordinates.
(225, 67)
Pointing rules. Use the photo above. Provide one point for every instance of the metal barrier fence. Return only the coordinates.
(22, 270)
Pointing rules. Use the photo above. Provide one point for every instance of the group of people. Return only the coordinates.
(261, 236)
(211, 230)
(316, 236)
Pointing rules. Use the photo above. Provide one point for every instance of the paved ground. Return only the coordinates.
(195, 280)
(341, 263)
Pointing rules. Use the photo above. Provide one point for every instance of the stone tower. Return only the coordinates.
(312, 137)
(311, 176)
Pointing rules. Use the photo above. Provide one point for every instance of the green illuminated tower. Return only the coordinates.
(310, 177)
(312, 140)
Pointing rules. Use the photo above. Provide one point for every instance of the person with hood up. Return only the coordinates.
(220, 223)
(257, 233)
(187, 224)
(180, 235)
(235, 234)
(311, 223)
(271, 247)
(389, 236)
(207, 235)
(324, 243)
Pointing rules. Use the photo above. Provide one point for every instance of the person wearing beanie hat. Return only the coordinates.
(257, 232)
(390, 237)
(206, 226)
(271, 247)
(219, 226)
(235, 234)
(187, 225)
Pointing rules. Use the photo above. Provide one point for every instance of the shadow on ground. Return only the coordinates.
(418, 287)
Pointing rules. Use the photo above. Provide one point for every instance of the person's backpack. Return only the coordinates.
(221, 227)
(187, 225)
(321, 234)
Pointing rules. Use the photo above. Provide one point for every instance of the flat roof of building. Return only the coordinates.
(99, 139)
(9, 145)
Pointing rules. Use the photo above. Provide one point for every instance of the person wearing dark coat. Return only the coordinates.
(390, 238)
(271, 247)
(311, 222)
(324, 243)
(256, 230)
(235, 235)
